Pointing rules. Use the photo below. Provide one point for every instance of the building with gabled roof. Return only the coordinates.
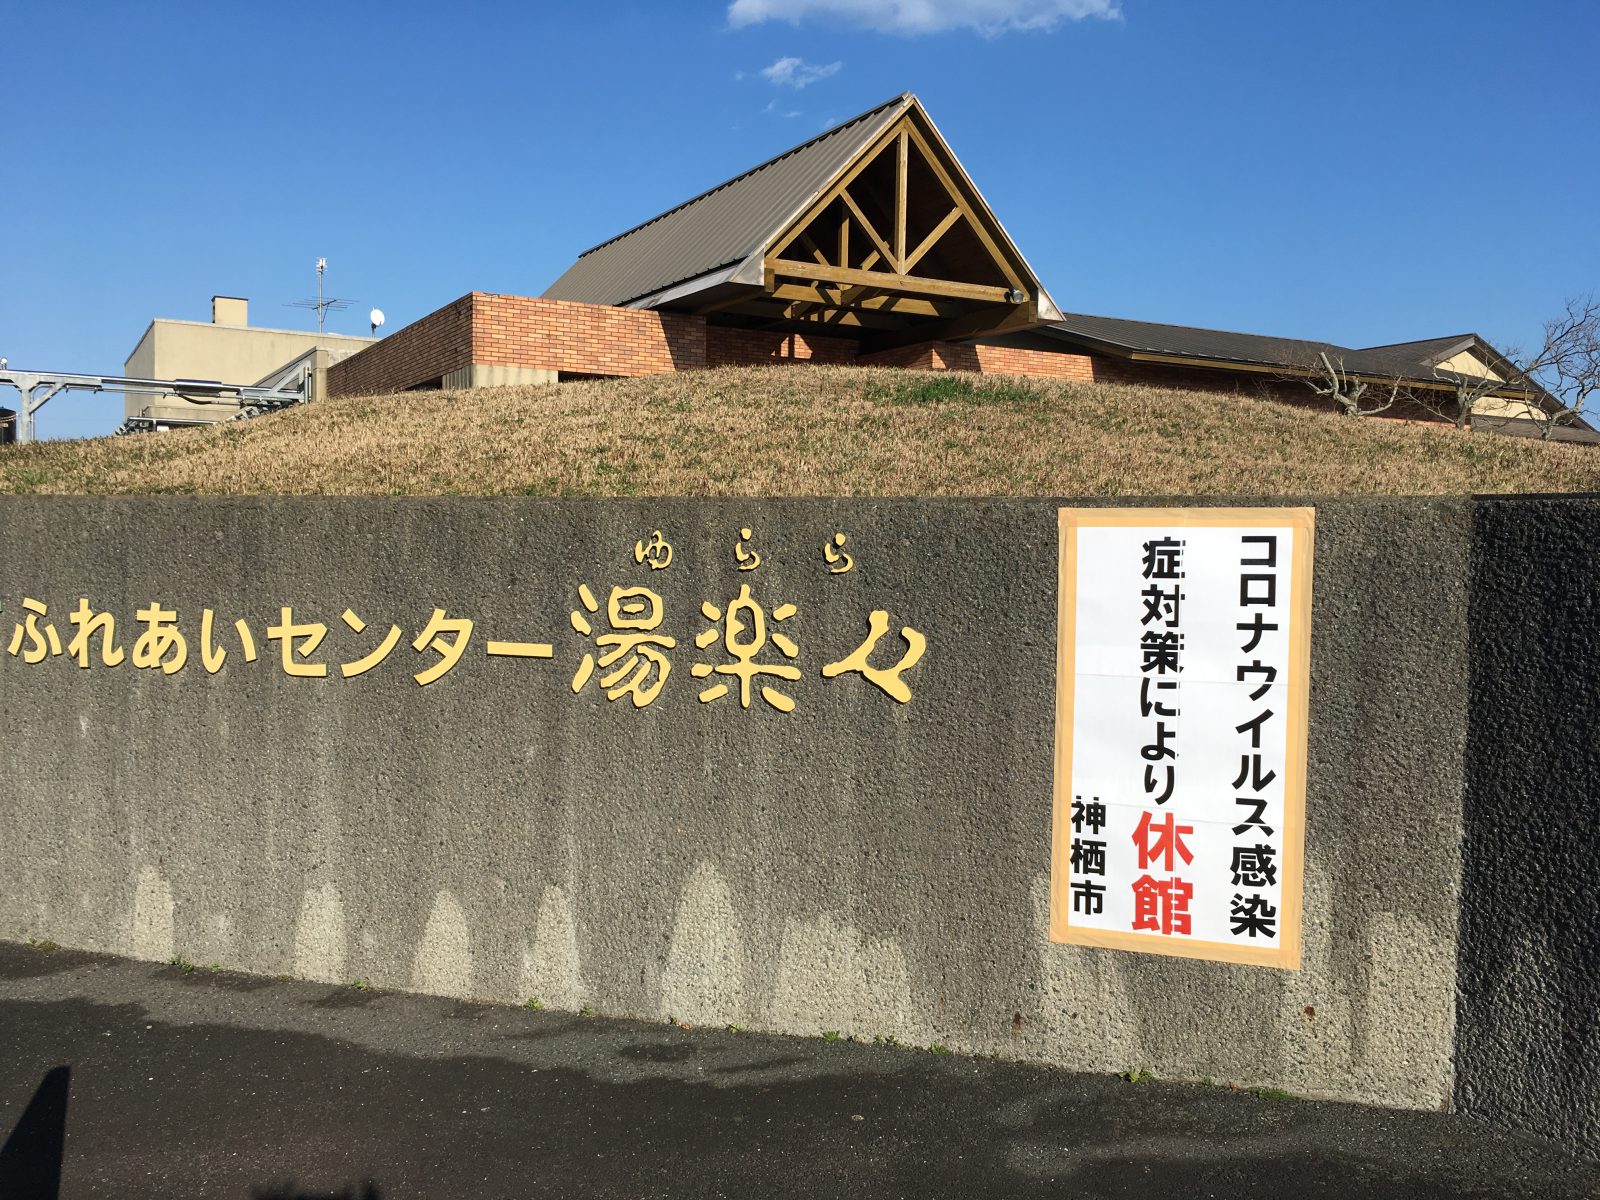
(867, 244)
(871, 226)
(1430, 364)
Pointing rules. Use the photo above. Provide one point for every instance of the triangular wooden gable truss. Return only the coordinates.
(899, 248)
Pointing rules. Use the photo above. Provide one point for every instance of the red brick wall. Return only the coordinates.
(1043, 364)
(729, 347)
(924, 356)
(587, 339)
(521, 331)
(420, 353)
(990, 360)
(1195, 379)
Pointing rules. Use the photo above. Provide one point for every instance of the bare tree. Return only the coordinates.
(1556, 384)
(1559, 380)
(1568, 366)
(1329, 378)
(1465, 393)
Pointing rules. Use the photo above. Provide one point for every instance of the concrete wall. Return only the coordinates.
(225, 353)
(857, 864)
(1529, 1046)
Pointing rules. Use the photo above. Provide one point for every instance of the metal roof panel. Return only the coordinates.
(723, 226)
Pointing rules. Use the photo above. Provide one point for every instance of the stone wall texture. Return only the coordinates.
(855, 864)
(1528, 1050)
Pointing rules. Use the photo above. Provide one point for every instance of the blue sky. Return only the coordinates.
(1360, 172)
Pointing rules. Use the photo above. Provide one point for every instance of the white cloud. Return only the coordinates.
(797, 73)
(988, 17)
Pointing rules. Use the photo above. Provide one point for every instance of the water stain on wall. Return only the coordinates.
(321, 948)
(550, 969)
(703, 981)
(443, 962)
(830, 976)
(150, 922)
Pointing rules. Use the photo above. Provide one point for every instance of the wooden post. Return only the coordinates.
(900, 206)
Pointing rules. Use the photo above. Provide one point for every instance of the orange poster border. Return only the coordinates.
(1286, 955)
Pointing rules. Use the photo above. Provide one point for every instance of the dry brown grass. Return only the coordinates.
(817, 432)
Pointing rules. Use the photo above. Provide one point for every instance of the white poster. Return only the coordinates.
(1183, 669)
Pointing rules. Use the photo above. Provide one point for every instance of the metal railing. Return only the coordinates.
(289, 385)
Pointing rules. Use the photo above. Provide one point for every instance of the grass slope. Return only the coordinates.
(819, 432)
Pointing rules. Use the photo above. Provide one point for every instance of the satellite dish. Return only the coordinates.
(377, 319)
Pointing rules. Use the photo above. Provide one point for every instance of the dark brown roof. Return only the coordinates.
(1415, 362)
(1403, 357)
(1406, 360)
(1185, 341)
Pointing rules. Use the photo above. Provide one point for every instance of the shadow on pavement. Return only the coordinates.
(30, 1161)
(184, 1091)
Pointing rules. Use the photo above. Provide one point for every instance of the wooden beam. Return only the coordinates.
(985, 293)
(865, 159)
(803, 291)
(900, 205)
(856, 295)
(859, 299)
(778, 315)
(977, 324)
(1023, 316)
(871, 231)
(814, 249)
(1002, 260)
(928, 243)
(904, 134)
(847, 319)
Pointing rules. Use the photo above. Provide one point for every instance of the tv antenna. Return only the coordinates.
(322, 304)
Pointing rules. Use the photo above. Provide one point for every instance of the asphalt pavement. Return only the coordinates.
(134, 1080)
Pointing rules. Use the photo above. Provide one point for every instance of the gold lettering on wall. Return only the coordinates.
(834, 554)
(748, 650)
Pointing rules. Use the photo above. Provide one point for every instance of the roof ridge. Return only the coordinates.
(745, 174)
